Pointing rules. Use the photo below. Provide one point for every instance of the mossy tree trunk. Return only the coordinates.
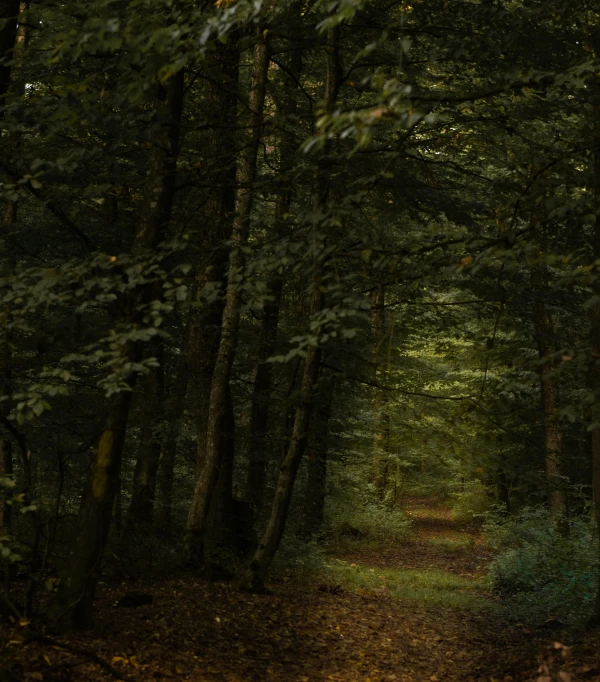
(72, 606)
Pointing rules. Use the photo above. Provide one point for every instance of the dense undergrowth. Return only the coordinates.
(539, 572)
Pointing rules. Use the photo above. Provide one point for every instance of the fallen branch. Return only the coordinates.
(42, 639)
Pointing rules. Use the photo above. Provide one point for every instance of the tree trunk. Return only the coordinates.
(255, 576)
(316, 484)
(545, 330)
(219, 159)
(9, 12)
(173, 415)
(269, 543)
(6, 471)
(261, 395)
(141, 509)
(595, 320)
(380, 462)
(72, 606)
(205, 484)
(221, 531)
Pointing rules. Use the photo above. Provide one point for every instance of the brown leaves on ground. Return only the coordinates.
(200, 631)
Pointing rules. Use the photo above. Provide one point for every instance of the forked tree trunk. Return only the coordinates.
(380, 461)
(197, 523)
(545, 330)
(269, 543)
(72, 606)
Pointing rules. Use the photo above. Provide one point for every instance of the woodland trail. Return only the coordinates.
(414, 612)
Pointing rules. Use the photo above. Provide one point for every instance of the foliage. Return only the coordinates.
(539, 572)
(473, 500)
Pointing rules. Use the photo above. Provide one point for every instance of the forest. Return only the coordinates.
(300, 340)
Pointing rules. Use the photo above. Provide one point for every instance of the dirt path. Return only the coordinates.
(414, 612)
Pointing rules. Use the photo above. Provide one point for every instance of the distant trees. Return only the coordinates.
(259, 245)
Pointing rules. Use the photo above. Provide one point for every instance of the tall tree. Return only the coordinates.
(208, 476)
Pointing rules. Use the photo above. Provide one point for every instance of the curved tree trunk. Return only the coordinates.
(207, 479)
(269, 543)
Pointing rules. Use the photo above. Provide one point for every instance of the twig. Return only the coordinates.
(80, 652)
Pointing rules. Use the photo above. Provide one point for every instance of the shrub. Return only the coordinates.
(539, 572)
(369, 519)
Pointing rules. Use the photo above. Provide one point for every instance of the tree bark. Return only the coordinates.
(173, 415)
(317, 451)
(72, 606)
(269, 543)
(595, 318)
(9, 13)
(261, 395)
(194, 550)
(545, 331)
(219, 161)
(380, 462)
(141, 509)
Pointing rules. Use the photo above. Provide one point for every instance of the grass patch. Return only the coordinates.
(454, 544)
(430, 586)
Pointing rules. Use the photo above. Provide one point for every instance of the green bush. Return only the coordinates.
(540, 573)
(369, 519)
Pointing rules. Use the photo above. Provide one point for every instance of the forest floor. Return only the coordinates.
(418, 611)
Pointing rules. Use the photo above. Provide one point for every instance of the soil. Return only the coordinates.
(306, 631)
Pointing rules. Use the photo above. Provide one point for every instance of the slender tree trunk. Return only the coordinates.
(6, 471)
(545, 330)
(595, 321)
(221, 522)
(207, 479)
(72, 606)
(219, 160)
(141, 509)
(173, 415)
(261, 396)
(380, 462)
(12, 43)
(317, 450)
(503, 490)
(9, 12)
(269, 543)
